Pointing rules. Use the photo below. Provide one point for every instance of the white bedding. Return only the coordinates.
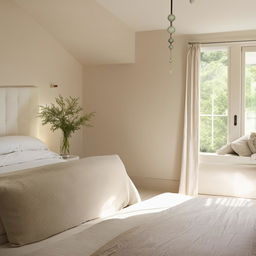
(87, 238)
(19, 157)
(27, 159)
(212, 227)
(199, 227)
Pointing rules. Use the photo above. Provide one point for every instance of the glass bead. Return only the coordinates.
(171, 17)
(171, 29)
(170, 40)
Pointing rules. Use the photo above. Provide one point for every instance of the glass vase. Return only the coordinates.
(65, 146)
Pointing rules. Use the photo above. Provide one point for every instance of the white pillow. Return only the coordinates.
(227, 149)
(253, 156)
(10, 144)
(252, 142)
(240, 146)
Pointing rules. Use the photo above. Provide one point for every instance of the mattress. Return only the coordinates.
(89, 237)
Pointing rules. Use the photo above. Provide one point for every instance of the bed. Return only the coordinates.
(18, 116)
(196, 227)
(168, 224)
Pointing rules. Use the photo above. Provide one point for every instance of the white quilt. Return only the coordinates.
(87, 238)
(212, 227)
(196, 227)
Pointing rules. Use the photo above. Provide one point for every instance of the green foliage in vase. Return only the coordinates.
(66, 115)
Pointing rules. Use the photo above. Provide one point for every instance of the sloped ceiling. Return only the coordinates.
(87, 30)
(103, 31)
(203, 16)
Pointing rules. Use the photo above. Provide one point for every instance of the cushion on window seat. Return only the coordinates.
(241, 147)
(227, 149)
(252, 142)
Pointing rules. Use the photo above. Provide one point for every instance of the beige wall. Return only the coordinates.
(139, 110)
(30, 56)
(140, 107)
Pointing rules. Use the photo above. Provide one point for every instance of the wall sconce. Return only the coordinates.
(54, 85)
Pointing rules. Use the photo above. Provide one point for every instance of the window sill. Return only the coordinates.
(212, 158)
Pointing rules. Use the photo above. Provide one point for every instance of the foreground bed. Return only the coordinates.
(43, 209)
(168, 224)
(90, 236)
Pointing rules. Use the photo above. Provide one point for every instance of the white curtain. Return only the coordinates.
(190, 154)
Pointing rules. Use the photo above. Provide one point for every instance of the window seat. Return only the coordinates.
(227, 175)
(226, 159)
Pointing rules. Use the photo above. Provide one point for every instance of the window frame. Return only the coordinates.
(218, 47)
(244, 50)
(236, 86)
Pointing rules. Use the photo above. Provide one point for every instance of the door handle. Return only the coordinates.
(235, 120)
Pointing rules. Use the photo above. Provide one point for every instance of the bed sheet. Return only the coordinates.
(31, 164)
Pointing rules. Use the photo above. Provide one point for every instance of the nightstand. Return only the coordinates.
(70, 157)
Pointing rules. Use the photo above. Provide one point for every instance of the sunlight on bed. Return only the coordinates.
(156, 204)
(231, 202)
(107, 208)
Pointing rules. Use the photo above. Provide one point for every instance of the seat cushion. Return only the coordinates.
(241, 147)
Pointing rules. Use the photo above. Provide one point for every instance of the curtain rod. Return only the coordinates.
(224, 42)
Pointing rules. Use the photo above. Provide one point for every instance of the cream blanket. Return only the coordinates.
(196, 227)
(199, 227)
(40, 202)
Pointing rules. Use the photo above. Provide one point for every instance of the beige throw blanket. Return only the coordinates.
(199, 227)
(41, 202)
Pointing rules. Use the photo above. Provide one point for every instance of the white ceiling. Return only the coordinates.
(203, 16)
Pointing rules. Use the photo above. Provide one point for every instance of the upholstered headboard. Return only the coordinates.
(18, 110)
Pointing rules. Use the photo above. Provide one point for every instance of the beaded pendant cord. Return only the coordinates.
(171, 28)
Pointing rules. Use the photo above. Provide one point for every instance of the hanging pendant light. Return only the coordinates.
(171, 29)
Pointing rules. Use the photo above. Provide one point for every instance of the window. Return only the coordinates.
(213, 99)
(250, 90)
(227, 95)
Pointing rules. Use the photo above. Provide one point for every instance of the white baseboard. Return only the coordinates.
(162, 185)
